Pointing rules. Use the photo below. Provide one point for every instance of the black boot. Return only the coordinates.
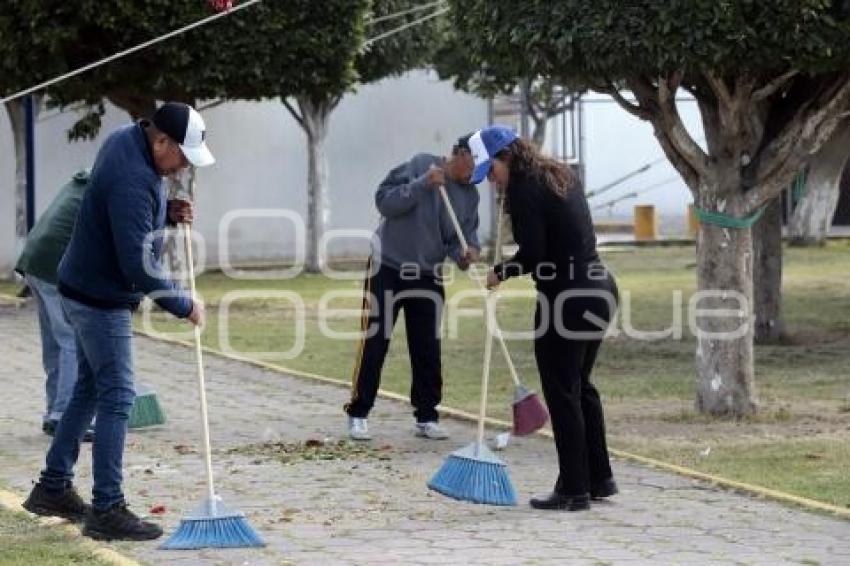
(119, 523)
(605, 488)
(48, 503)
(558, 502)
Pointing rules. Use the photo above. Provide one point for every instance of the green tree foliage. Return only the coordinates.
(772, 80)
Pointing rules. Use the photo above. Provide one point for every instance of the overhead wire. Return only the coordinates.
(217, 16)
(129, 51)
(401, 13)
(369, 42)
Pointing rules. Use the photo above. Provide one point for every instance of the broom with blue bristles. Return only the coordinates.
(211, 524)
(475, 473)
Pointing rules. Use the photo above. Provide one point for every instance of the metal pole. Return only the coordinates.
(29, 141)
(581, 140)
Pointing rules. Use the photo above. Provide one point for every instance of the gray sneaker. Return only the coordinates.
(431, 430)
(358, 429)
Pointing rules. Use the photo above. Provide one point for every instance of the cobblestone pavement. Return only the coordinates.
(372, 506)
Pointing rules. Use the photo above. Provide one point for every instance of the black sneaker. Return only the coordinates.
(119, 523)
(66, 504)
(49, 428)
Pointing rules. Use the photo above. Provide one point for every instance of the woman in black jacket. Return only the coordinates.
(577, 297)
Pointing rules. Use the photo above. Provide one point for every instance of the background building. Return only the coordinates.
(262, 163)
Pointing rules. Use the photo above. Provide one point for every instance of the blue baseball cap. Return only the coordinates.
(484, 145)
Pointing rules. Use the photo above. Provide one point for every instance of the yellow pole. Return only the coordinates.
(693, 222)
(646, 223)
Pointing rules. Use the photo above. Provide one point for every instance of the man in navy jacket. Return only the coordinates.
(112, 261)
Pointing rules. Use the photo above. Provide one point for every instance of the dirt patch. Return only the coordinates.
(311, 450)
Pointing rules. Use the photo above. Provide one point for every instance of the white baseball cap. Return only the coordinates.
(183, 124)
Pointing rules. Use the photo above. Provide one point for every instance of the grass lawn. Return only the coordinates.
(9, 288)
(798, 443)
(23, 542)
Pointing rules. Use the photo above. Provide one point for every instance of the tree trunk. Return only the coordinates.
(767, 274)
(15, 110)
(722, 313)
(316, 117)
(814, 212)
(538, 135)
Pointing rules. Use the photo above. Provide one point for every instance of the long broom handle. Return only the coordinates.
(497, 257)
(202, 391)
(485, 372)
(465, 246)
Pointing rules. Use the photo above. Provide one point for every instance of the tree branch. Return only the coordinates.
(645, 92)
(558, 109)
(773, 86)
(298, 117)
(633, 109)
(334, 102)
(671, 121)
(806, 133)
(745, 84)
(719, 88)
(688, 173)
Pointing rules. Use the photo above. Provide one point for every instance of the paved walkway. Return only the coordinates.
(372, 506)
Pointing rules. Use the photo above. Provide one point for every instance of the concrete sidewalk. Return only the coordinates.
(370, 505)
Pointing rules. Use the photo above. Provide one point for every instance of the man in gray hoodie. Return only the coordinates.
(414, 238)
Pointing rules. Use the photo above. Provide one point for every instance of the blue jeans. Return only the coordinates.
(104, 389)
(58, 347)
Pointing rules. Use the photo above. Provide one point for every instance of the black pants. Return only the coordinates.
(565, 363)
(387, 292)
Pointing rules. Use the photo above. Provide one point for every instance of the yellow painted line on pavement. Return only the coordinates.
(750, 489)
(12, 502)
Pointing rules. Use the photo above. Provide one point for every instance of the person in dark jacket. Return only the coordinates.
(577, 297)
(112, 261)
(404, 273)
(38, 263)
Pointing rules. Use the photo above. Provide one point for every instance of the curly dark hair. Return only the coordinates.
(525, 158)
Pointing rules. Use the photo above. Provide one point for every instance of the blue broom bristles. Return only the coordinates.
(475, 474)
(225, 529)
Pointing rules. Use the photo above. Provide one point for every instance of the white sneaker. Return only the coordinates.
(431, 430)
(358, 429)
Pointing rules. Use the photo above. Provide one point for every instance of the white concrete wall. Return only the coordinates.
(262, 162)
(617, 143)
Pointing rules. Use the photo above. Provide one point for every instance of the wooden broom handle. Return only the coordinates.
(485, 371)
(463, 244)
(199, 360)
